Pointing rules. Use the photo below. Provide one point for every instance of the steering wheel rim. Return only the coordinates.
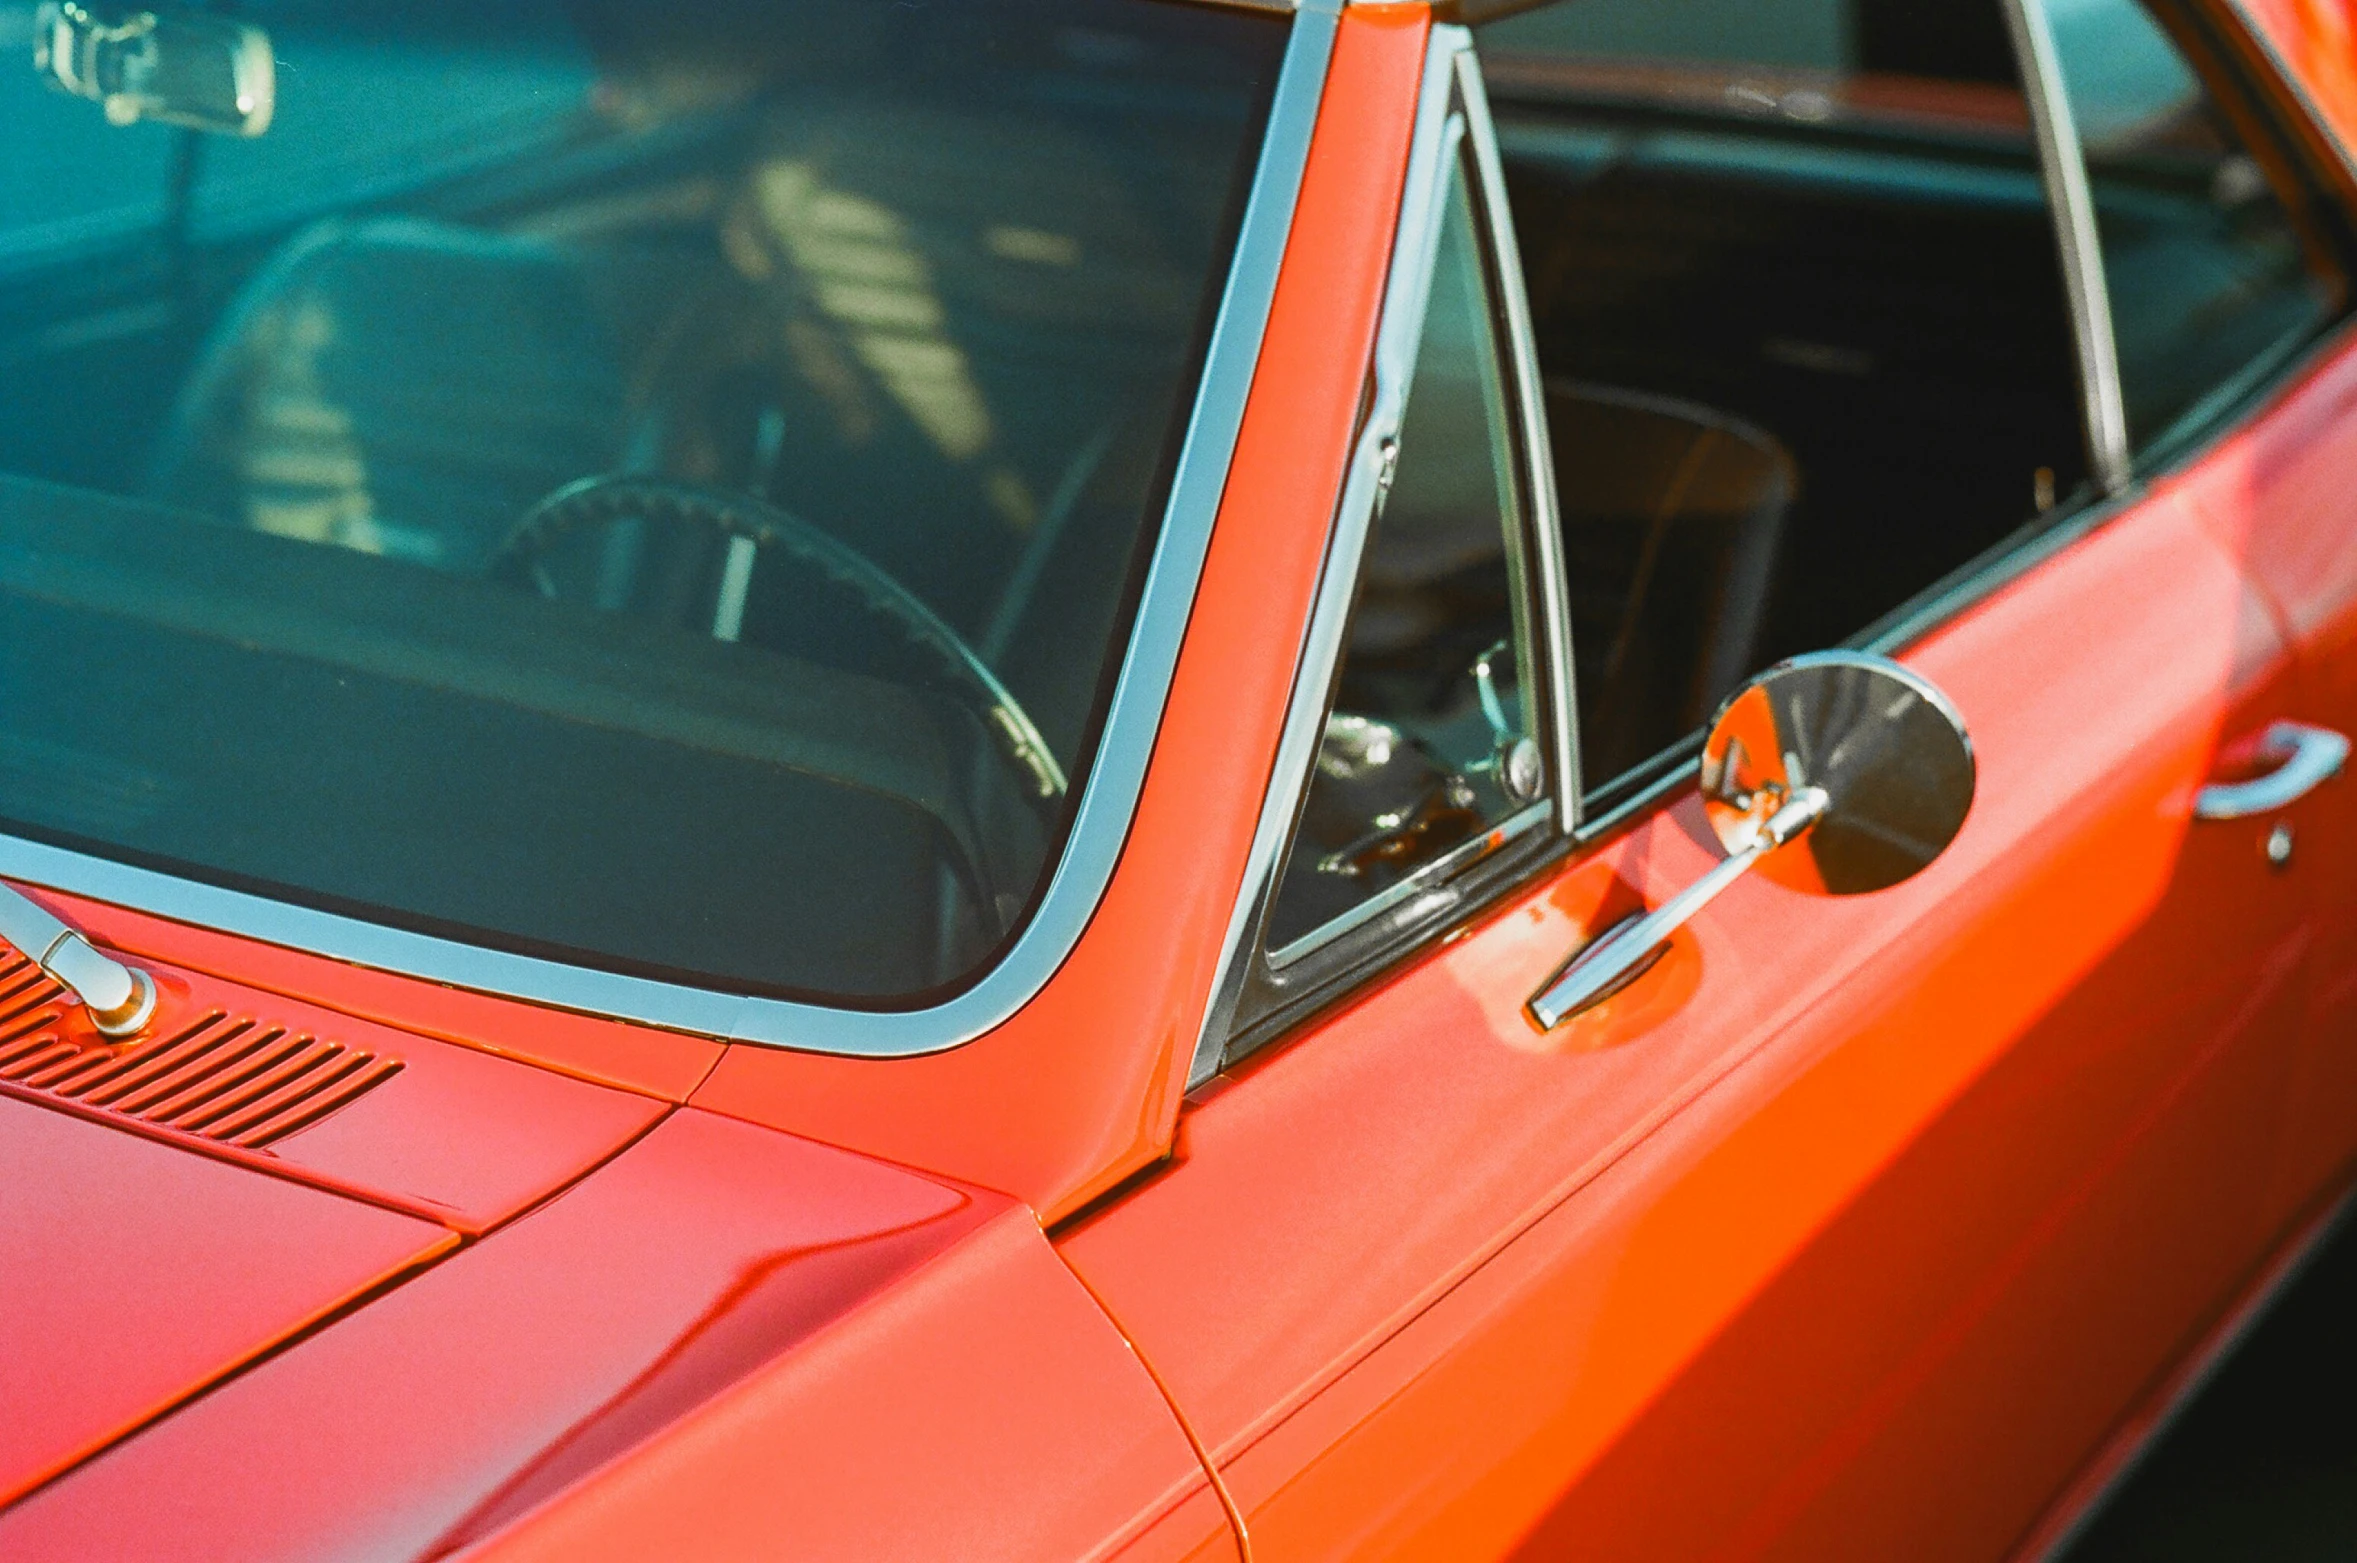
(617, 496)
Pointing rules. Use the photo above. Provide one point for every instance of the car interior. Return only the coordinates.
(1800, 322)
(871, 445)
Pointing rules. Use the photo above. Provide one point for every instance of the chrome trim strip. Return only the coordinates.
(1513, 828)
(1449, 115)
(1107, 801)
(2063, 160)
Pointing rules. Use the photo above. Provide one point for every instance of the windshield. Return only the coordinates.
(658, 486)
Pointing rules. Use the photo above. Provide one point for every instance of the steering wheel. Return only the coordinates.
(750, 531)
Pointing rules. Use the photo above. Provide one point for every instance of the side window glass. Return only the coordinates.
(1428, 748)
(1799, 315)
(2207, 269)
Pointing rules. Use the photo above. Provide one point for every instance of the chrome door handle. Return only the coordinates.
(2310, 756)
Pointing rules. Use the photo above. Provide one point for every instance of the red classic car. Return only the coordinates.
(1124, 778)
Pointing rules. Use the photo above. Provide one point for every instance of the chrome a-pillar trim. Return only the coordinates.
(1451, 112)
(2063, 160)
(1108, 798)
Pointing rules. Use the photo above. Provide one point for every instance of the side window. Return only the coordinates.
(2209, 271)
(1430, 745)
(1799, 312)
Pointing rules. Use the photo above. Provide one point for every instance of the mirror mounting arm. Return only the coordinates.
(1627, 948)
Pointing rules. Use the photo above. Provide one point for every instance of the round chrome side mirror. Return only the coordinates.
(1838, 772)
(1880, 741)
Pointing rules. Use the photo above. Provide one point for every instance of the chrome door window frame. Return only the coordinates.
(2195, 428)
(1450, 890)
(2117, 473)
(1259, 993)
(2070, 205)
(1107, 802)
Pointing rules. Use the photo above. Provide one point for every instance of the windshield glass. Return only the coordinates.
(658, 486)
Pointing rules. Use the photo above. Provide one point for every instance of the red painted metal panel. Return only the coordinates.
(865, 1350)
(2317, 41)
(2277, 496)
(452, 1133)
(983, 1411)
(134, 1273)
(1847, 1233)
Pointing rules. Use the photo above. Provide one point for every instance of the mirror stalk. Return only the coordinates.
(1627, 948)
(1864, 764)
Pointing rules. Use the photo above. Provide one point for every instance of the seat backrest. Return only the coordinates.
(1672, 514)
(399, 386)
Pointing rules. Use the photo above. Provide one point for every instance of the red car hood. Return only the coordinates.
(174, 1208)
(283, 1283)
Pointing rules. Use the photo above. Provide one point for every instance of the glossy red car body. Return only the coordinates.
(1872, 1228)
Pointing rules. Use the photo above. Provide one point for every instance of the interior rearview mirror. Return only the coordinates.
(1839, 773)
(181, 67)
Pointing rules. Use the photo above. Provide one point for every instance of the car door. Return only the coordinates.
(1850, 1226)
(2224, 235)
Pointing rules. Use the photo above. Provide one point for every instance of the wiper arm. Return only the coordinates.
(120, 998)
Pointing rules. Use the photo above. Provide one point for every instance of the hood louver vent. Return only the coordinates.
(226, 1078)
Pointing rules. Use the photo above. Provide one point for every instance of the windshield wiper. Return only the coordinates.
(120, 998)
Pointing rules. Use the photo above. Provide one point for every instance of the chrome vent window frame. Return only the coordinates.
(1108, 799)
(1453, 121)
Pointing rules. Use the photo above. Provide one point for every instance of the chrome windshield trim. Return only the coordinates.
(1108, 799)
(2063, 161)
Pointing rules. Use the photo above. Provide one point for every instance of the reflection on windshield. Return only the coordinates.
(733, 442)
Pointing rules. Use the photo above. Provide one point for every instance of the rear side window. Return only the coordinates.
(2211, 274)
(1807, 34)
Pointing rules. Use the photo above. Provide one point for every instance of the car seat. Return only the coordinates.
(1672, 518)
